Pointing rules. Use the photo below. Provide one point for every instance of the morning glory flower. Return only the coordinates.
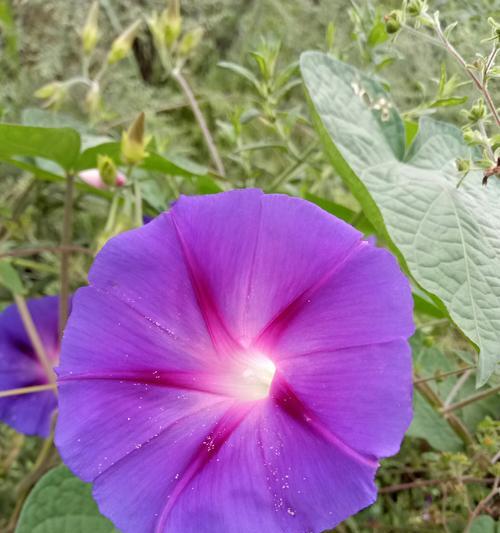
(19, 366)
(238, 365)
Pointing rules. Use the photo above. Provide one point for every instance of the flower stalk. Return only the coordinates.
(65, 255)
(34, 337)
(207, 136)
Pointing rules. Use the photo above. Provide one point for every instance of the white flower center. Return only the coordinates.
(257, 377)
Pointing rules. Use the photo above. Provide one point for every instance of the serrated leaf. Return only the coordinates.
(61, 503)
(61, 145)
(449, 237)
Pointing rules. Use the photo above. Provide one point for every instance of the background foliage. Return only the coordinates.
(446, 475)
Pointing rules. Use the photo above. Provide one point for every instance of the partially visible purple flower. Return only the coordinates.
(20, 367)
(92, 177)
(238, 365)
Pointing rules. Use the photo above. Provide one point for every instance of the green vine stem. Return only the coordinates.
(471, 399)
(65, 255)
(444, 43)
(34, 337)
(209, 141)
(28, 390)
(455, 423)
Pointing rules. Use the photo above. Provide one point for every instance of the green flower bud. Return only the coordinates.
(190, 41)
(393, 22)
(416, 7)
(477, 111)
(172, 21)
(133, 145)
(123, 43)
(107, 170)
(495, 26)
(53, 93)
(156, 27)
(90, 31)
(463, 165)
(93, 98)
(472, 137)
(330, 35)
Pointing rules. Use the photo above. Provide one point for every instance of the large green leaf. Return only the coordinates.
(153, 162)
(61, 145)
(61, 503)
(449, 237)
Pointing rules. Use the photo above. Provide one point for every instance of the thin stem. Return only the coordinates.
(471, 399)
(27, 390)
(34, 337)
(65, 242)
(440, 375)
(20, 252)
(434, 323)
(455, 423)
(110, 221)
(422, 483)
(443, 42)
(495, 491)
(137, 197)
(456, 388)
(186, 88)
(484, 135)
(101, 72)
(477, 82)
(424, 36)
(289, 171)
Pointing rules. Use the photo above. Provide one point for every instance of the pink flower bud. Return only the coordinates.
(93, 177)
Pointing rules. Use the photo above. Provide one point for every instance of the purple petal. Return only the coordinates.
(146, 271)
(273, 474)
(19, 366)
(365, 301)
(156, 469)
(363, 394)
(255, 253)
(126, 415)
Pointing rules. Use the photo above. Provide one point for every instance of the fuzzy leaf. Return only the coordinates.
(449, 238)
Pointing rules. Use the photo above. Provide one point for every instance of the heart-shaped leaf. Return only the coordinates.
(449, 237)
(61, 503)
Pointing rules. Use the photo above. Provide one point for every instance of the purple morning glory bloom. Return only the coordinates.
(20, 367)
(237, 365)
